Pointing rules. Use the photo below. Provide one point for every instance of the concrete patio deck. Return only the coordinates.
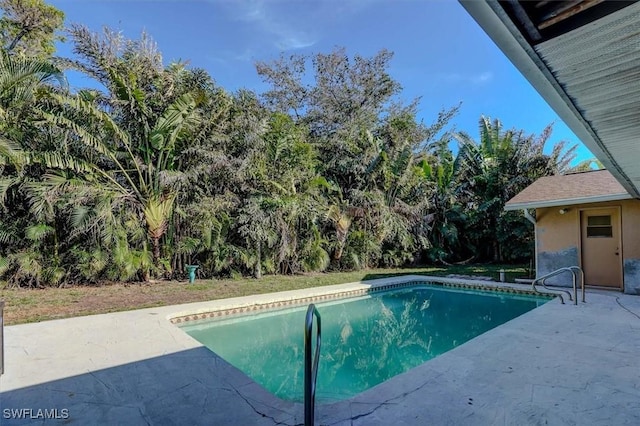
(558, 364)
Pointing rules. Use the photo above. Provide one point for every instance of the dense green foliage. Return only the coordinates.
(28, 27)
(160, 167)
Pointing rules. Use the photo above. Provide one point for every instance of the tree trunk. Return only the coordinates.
(156, 251)
(258, 272)
(342, 242)
(15, 41)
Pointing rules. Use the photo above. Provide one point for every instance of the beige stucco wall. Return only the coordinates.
(558, 240)
(631, 229)
(557, 231)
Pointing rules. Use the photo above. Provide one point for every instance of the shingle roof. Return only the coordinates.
(576, 188)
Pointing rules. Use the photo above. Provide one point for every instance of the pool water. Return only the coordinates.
(365, 340)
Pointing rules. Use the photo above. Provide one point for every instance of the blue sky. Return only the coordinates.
(440, 54)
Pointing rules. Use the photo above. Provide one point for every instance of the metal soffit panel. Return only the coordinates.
(598, 66)
(542, 20)
(582, 56)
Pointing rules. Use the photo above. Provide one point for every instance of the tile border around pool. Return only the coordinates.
(345, 294)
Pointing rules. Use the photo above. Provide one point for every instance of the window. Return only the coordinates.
(599, 227)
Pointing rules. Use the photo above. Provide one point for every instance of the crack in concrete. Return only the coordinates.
(170, 333)
(257, 411)
(386, 402)
(103, 383)
(70, 393)
(626, 309)
(205, 403)
(359, 416)
(144, 417)
(181, 387)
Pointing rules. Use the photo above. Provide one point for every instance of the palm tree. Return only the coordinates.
(130, 139)
(493, 170)
(446, 217)
(29, 240)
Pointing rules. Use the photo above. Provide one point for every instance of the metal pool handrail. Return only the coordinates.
(574, 270)
(310, 368)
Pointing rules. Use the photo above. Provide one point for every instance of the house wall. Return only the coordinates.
(631, 247)
(558, 241)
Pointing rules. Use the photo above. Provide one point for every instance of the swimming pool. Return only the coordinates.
(365, 340)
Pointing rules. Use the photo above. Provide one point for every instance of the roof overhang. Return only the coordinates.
(567, 202)
(591, 82)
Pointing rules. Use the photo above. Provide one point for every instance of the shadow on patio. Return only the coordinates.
(192, 387)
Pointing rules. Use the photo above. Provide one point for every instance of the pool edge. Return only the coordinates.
(280, 300)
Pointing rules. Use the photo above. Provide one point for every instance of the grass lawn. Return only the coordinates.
(33, 305)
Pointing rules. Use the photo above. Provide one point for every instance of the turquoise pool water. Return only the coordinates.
(365, 340)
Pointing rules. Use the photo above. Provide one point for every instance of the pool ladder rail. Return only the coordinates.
(575, 271)
(311, 365)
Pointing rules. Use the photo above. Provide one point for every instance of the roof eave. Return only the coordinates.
(494, 21)
(567, 202)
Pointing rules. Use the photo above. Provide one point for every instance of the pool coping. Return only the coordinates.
(239, 306)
